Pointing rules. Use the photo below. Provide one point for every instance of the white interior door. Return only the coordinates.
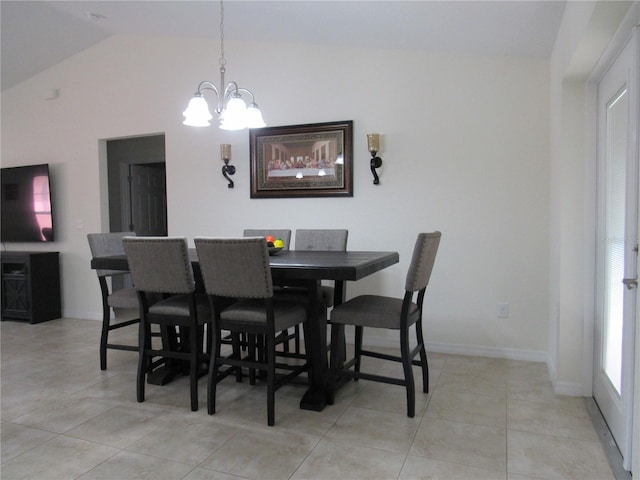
(617, 247)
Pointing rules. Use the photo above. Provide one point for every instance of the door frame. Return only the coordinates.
(624, 34)
(612, 50)
(634, 462)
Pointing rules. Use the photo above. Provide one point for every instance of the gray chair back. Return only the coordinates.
(324, 240)
(424, 256)
(107, 244)
(159, 264)
(285, 235)
(235, 267)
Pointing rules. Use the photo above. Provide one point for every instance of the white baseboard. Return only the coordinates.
(82, 315)
(457, 349)
(494, 352)
(568, 388)
(122, 313)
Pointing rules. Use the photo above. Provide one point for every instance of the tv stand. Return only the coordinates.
(30, 286)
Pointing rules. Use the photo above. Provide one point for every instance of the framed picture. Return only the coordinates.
(312, 160)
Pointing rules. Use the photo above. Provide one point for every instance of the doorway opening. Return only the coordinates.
(137, 185)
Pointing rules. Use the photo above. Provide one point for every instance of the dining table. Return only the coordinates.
(305, 268)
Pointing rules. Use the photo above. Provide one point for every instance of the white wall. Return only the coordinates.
(465, 145)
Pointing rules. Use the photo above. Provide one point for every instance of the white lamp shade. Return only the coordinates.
(197, 113)
(254, 117)
(234, 116)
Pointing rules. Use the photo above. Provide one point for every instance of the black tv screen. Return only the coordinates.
(26, 204)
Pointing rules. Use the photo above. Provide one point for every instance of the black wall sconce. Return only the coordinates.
(225, 154)
(373, 143)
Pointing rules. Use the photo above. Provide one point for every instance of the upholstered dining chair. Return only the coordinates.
(326, 240)
(318, 240)
(103, 245)
(161, 265)
(239, 268)
(378, 311)
(285, 235)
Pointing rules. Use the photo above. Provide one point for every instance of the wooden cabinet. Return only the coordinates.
(30, 286)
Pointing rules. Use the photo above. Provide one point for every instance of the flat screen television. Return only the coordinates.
(25, 201)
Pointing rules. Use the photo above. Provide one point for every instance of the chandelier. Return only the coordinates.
(233, 111)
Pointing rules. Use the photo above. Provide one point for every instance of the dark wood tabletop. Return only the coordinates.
(298, 264)
(330, 265)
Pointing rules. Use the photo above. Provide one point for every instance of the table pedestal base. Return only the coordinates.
(314, 400)
(161, 376)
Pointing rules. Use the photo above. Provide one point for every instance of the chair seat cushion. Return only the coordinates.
(286, 313)
(373, 311)
(178, 305)
(124, 298)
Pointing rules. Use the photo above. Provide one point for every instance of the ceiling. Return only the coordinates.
(38, 34)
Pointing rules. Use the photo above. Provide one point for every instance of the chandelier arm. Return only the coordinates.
(233, 88)
(207, 85)
(246, 90)
(229, 90)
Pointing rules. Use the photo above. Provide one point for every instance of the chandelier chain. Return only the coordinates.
(222, 59)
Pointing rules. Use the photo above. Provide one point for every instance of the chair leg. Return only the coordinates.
(209, 339)
(296, 339)
(252, 356)
(285, 345)
(201, 339)
(237, 346)
(144, 342)
(194, 333)
(104, 337)
(424, 364)
(408, 372)
(271, 379)
(334, 354)
(358, 348)
(169, 340)
(336, 360)
(212, 378)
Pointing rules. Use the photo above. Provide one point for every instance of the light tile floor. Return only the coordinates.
(63, 418)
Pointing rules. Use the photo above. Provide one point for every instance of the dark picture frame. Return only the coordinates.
(310, 160)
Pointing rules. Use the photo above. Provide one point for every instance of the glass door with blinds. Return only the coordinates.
(616, 265)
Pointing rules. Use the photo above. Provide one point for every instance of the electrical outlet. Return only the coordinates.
(503, 310)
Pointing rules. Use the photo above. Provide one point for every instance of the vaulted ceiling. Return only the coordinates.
(38, 34)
